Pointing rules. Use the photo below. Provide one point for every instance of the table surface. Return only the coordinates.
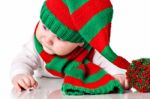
(50, 89)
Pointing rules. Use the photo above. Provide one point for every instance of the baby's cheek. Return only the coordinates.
(61, 51)
(64, 48)
(57, 50)
(38, 36)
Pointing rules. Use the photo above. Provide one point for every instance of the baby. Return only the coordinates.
(56, 34)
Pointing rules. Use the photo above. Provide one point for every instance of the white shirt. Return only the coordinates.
(28, 61)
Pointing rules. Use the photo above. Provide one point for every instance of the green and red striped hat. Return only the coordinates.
(73, 20)
(82, 20)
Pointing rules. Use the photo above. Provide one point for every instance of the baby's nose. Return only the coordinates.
(49, 40)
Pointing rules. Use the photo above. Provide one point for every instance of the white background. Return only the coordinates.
(130, 36)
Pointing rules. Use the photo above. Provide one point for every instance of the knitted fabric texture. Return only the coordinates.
(80, 75)
(87, 21)
(138, 74)
(83, 20)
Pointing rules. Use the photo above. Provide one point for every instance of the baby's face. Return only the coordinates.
(52, 44)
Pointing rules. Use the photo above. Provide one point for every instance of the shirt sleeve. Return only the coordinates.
(26, 61)
(112, 69)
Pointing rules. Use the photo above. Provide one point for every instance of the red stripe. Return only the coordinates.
(82, 56)
(46, 57)
(88, 10)
(55, 73)
(82, 67)
(121, 62)
(60, 10)
(92, 68)
(102, 38)
(91, 55)
(36, 27)
(89, 69)
(77, 82)
(78, 54)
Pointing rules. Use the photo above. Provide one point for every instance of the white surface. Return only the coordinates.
(51, 89)
(129, 37)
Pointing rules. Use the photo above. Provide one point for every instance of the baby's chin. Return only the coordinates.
(48, 51)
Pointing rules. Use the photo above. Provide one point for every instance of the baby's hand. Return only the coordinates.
(122, 79)
(24, 81)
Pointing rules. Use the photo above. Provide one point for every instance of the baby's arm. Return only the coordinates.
(23, 67)
(115, 71)
(98, 59)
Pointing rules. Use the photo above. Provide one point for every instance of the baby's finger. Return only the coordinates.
(120, 79)
(35, 85)
(17, 87)
(32, 80)
(127, 85)
(27, 81)
(22, 84)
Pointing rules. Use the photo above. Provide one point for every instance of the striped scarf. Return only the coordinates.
(80, 75)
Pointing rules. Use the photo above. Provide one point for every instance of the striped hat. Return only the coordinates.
(82, 20)
(73, 20)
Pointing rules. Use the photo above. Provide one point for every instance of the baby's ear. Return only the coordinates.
(81, 44)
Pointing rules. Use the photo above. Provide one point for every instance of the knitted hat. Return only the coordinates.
(82, 20)
(56, 17)
(138, 74)
(68, 19)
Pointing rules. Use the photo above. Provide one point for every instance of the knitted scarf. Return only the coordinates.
(80, 75)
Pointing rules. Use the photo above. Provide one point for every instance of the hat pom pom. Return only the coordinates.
(138, 74)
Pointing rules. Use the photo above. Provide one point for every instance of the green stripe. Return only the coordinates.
(57, 27)
(87, 46)
(70, 68)
(95, 24)
(38, 46)
(57, 64)
(109, 54)
(74, 4)
(63, 65)
(69, 89)
(77, 73)
(95, 77)
(92, 78)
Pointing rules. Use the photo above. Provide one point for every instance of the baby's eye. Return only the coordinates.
(60, 39)
(45, 28)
